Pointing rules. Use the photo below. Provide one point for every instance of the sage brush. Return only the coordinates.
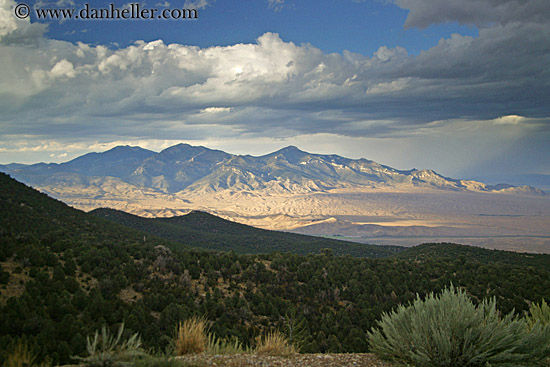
(108, 350)
(448, 330)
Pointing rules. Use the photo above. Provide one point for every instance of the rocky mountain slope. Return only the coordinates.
(199, 169)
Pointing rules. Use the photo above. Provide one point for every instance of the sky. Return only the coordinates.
(461, 87)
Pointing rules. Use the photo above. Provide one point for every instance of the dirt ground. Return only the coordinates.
(297, 360)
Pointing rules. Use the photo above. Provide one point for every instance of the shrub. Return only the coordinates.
(449, 330)
(539, 317)
(107, 350)
(191, 336)
(20, 355)
(275, 344)
(4, 277)
(538, 313)
(295, 328)
(224, 346)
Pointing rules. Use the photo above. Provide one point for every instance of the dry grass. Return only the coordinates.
(191, 336)
(21, 355)
(275, 344)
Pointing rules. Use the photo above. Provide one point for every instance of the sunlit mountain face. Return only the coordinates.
(291, 189)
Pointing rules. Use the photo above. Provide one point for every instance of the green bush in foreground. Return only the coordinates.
(20, 355)
(449, 330)
(106, 349)
(538, 313)
(225, 346)
(539, 316)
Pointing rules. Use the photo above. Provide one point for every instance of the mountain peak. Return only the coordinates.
(189, 153)
(182, 150)
(291, 148)
(290, 153)
(179, 147)
(122, 147)
(118, 154)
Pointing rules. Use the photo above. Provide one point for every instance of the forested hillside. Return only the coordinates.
(200, 229)
(453, 251)
(65, 273)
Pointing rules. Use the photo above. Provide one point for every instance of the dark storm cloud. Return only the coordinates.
(424, 13)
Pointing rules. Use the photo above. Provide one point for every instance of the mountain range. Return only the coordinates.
(295, 190)
(196, 168)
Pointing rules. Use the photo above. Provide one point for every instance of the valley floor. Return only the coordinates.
(386, 215)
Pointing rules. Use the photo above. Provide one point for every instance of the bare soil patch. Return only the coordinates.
(296, 360)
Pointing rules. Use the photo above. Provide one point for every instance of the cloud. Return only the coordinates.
(266, 82)
(423, 13)
(17, 31)
(59, 156)
(216, 110)
(51, 4)
(276, 4)
(197, 4)
(509, 120)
